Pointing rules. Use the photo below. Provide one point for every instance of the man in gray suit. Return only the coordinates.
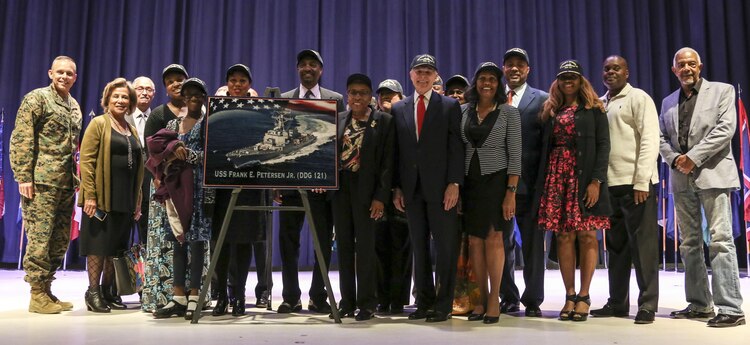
(697, 123)
(310, 68)
(529, 101)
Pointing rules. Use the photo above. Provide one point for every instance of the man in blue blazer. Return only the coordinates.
(529, 102)
(697, 123)
(430, 170)
(310, 68)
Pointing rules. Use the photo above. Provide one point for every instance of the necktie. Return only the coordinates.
(510, 97)
(308, 94)
(420, 114)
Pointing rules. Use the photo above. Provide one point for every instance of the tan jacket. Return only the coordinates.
(95, 164)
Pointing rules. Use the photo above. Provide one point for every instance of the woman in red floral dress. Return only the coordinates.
(574, 201)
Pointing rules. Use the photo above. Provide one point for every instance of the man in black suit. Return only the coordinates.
(529, 101)
(430, 170)
(310, 68)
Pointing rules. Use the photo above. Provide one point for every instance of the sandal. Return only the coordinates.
(577, 316)
(566, 315)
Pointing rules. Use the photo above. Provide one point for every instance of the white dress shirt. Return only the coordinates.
(518, 94)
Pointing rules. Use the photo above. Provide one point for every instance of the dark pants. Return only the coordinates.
(355, 240)
(394, 260)
(194, 262)
(425, 219)
(290, 226)
(234, 264)
(633, 240)
(532, 249)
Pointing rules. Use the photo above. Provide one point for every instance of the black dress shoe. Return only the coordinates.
(643, 317)
(171, 309)
(438, 316)
(490, 319)
(343, 313)
(533, 311)
(383, 309)
(262, 301)
(418, 314)
(113, 300)
(320, 307)
(608, 311)
(238, 308)
(509, 307)
(476, 317)
(222, 303)
(687, 313)
(364, 315)
(725, 320)
(286, 308)
(95, 302)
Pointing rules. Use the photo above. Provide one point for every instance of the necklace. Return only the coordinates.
(120, 130)
(480, 118)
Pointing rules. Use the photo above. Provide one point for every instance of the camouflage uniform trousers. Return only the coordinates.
(47, 220)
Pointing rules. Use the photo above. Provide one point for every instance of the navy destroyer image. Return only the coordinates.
(284, 138)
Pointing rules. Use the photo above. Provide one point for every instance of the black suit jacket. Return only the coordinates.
(437, 159)
(592, 158)
(531, 132)
(376, 155)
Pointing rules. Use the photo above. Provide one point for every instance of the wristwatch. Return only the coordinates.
(512, 188)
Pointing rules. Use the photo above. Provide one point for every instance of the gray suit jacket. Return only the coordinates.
(709, 141)
(324, 94)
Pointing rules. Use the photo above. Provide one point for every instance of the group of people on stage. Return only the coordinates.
(418, 175)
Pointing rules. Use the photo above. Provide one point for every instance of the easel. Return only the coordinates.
(269, 247)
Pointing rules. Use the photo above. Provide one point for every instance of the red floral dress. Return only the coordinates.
(560, 209)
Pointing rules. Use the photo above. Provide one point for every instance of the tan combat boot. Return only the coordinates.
(66, 306)
(40, 302)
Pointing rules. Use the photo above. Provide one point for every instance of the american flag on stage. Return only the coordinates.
(745, 159)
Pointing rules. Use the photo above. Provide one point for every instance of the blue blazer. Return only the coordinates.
(437, 159)
(531, 133)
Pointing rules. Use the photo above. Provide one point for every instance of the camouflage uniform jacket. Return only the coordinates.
(45, 139)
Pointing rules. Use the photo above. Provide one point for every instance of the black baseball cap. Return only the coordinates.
(311, 54)
(570, 66)
(516, 52)
(390, 84)
(456, 79)
(193, 82)
(489, 66)
(359, 78)
(424, 60)
(175, 67)
(240, 68)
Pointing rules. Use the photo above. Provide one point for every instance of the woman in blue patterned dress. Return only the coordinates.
(190, 244)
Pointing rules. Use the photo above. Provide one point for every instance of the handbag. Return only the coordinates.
(130, 269)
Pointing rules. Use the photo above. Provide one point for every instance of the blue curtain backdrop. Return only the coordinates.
(378, 37)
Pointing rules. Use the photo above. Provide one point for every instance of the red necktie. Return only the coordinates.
(510, 97)
(420, 114)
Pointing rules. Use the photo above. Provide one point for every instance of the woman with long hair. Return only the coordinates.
(574, 201)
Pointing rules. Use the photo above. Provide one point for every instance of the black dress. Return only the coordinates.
(483, 194)
(110, 237)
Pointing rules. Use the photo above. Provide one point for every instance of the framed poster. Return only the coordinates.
(266, 143)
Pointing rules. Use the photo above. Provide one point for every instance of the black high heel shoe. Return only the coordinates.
(476, 317)
(113, 300)
(490, 319)
(576, 316)
(222, 304)
(566, 315)
(238, 307)
(95, 302)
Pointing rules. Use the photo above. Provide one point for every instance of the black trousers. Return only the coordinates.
(425, 219)
(532, 249)
(394, 255)
(633, 240)
(355, 240)
(290, 226)
(234, 264)
(182, 263)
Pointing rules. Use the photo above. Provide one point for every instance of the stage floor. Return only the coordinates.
(79, 326)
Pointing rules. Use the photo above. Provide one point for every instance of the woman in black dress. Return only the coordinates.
(111, 174)
(491, 132)
(574, 200)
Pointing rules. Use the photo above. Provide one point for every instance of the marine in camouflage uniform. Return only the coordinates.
(42, 148)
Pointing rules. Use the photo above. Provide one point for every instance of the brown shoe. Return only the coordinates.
(66, 306)
(40, 302)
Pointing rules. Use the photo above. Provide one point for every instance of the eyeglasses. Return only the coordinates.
(146, 89)
(568, 76)
(358, 93)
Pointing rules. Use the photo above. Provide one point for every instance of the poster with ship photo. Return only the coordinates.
(271, 143)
